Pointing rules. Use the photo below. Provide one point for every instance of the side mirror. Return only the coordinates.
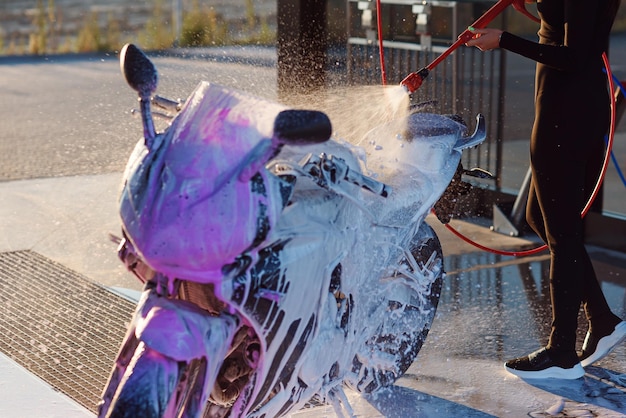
(141, 76)
(138, 70)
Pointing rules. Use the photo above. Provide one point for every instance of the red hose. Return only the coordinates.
(609, 148)
(379, 25)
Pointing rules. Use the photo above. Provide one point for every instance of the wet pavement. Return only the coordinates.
(492, 307)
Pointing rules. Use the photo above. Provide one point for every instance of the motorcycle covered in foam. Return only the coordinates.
(279, 265)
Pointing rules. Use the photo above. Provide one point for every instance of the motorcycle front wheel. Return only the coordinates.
(155, 386)
(410, 312)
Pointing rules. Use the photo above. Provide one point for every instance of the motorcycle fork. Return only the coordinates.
(122, 360)
(129, 346)
(198, 374)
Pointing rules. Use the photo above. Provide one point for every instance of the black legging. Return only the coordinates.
(566, 158)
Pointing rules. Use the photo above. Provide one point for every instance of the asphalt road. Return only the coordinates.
(70, 115)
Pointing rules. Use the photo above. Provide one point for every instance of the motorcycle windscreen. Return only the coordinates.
(184, 204)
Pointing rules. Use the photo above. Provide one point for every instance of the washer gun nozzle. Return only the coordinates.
(413, 81)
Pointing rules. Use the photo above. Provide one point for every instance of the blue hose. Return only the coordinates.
(619, 84)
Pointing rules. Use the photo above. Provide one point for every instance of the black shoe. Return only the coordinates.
(543, 364)
(597, 347)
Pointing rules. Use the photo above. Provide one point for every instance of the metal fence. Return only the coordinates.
(468, 82)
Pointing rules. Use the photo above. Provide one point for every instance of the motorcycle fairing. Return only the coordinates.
(271, 294)
(188, 202)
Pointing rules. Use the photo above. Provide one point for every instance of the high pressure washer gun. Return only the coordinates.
(413, 81)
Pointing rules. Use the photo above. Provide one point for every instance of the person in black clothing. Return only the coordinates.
(572, 115)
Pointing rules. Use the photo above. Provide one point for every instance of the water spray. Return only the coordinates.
(413, 81)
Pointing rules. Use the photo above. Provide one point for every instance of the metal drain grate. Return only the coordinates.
(59, 325)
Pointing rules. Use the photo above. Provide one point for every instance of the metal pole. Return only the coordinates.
(177, 19)
(501, 111)
(301, 45)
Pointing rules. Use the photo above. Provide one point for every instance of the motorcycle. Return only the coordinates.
(278, 264)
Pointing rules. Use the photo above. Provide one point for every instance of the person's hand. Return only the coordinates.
(485, 39)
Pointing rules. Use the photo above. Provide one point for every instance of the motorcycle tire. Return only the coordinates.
(155, 386)
(406, 325)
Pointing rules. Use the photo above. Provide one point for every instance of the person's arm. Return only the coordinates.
(579, 36)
